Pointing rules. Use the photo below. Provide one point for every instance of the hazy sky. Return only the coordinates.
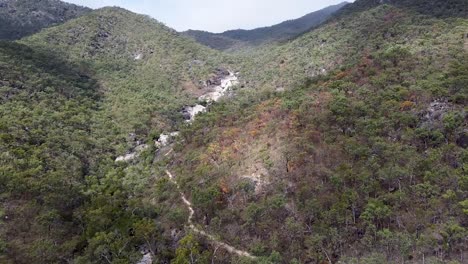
(216, 15)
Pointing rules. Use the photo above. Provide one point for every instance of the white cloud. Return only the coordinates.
(216, 15)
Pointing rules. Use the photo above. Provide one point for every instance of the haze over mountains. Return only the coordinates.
(280, 32)
(347, 143)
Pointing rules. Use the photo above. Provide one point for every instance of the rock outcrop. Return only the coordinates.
(218, 87)
(133, 154)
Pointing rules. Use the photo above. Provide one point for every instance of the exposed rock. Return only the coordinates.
(280, 89)
(175, 234)
(141, 148)
(165, 140)
(133, 154)
(220, 90)
(147, 257)
(314, 72)
(436, 110)
(432, 117)
(138, 56)
(222, 71)
(224, 80)
(218, 76)
(132, 136)
(190, 112)
(259, 178)
(126, 158)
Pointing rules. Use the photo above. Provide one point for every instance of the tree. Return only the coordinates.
(376, 211)
(190, 252)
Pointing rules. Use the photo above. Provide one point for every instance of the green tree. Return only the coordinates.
(189, 252)
(376, 212)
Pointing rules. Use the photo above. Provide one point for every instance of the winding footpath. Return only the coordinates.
(218, 91)
(217, 243)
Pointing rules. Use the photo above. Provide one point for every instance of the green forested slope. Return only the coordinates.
(343, 40)
(20, 18)
(346, 145)
(46, 107)
(148, 72)
(364, 162)
(70, 96)
(63, 198)
(435, 8)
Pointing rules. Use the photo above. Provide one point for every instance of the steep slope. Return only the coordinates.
(74, 98)
(280, 32)
(47, 108)
(342, 40)
(361, 159)
(63, 197)
(19, 18)
(437, 8)
(148, 71)
(350, 144)
(213, 40)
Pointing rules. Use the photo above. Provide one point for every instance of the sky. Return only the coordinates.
(216, 15)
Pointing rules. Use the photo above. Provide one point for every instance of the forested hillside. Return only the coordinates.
(47, 109)
(351, 32)
(147, 71)
(236, 39)
(63, 196)
(345, 144)
(361, 160)
(73, 98)
(19, 18)
(437, 8)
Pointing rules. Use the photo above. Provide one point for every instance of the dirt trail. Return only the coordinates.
(214, 96)
(218, 243)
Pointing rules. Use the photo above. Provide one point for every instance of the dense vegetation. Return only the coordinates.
(437, 8)
(346, 144)
(70, 98)
(236, 39)
(148, 72)
(342, 41)
(19, 18)
(47, 150)
(363, 164)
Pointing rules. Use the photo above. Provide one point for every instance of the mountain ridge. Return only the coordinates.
(436, 8)
(275, 33)
(20, 18)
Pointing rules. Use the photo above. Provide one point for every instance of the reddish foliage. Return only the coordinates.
(224, 188)
(392, 16)
(406, 105)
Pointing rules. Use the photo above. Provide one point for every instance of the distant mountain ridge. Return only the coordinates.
(279, 32)
(436, 8)
(20, 18)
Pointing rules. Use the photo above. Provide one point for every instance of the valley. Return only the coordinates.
(339, 137)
